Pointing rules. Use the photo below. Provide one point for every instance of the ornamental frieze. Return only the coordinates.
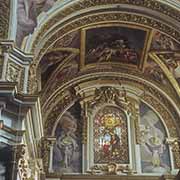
(150, 4)
(58, 109)
(58, 84)
(15, 73)
(152, 97)
(4, 20)
(110, 17)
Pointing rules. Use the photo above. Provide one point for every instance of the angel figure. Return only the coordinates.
(157, 148)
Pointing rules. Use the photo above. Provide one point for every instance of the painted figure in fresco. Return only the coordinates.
(118, 49)
(157, 148)
(161, 41)
(155, 72)
(68, 145)
(66, 157)
(27, 16)
(154, 151)
(172, 61)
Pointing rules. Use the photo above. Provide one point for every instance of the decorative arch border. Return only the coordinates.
(101, 18)
(163, 7)
(150, 95)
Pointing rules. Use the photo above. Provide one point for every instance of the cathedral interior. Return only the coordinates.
(89, 89)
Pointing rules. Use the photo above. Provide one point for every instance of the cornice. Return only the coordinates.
(8, 46)
(8, 90)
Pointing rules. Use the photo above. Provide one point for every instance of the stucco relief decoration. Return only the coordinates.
(33, 82)
(155, 157)
(67, 149)
(23, 165)
(110, 95)
(14, 73)
(71, 40)
(27, 13)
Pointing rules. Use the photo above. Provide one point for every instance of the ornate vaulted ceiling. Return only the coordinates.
(135, 43)
(135, 37)
(81, 47)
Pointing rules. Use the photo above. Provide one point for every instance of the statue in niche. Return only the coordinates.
(67, 151)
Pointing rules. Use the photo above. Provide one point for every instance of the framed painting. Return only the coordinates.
(116, 44)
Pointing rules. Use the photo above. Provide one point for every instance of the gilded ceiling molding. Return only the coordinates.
(49, 92)
(167, 72)
(151, 95)
(100, 18)
(158, 107)
(56, 111)
(77, 6)
(4, 18)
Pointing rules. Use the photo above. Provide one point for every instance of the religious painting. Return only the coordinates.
(71, 40)
(155, 156)
(172, 61)
(28, 21)
(153, 71)
(50, 62)
(116, 44)
(60, 75)
(110, 136)
(161, 41)
(67, 149)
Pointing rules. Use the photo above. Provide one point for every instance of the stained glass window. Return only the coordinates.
(110, 136)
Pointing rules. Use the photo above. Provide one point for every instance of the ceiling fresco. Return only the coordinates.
(172, 62)
(153, 71)
(167, 50)
(163, 42)
(116, 44)
(97, 47)
(27, 13)
(50, 63)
